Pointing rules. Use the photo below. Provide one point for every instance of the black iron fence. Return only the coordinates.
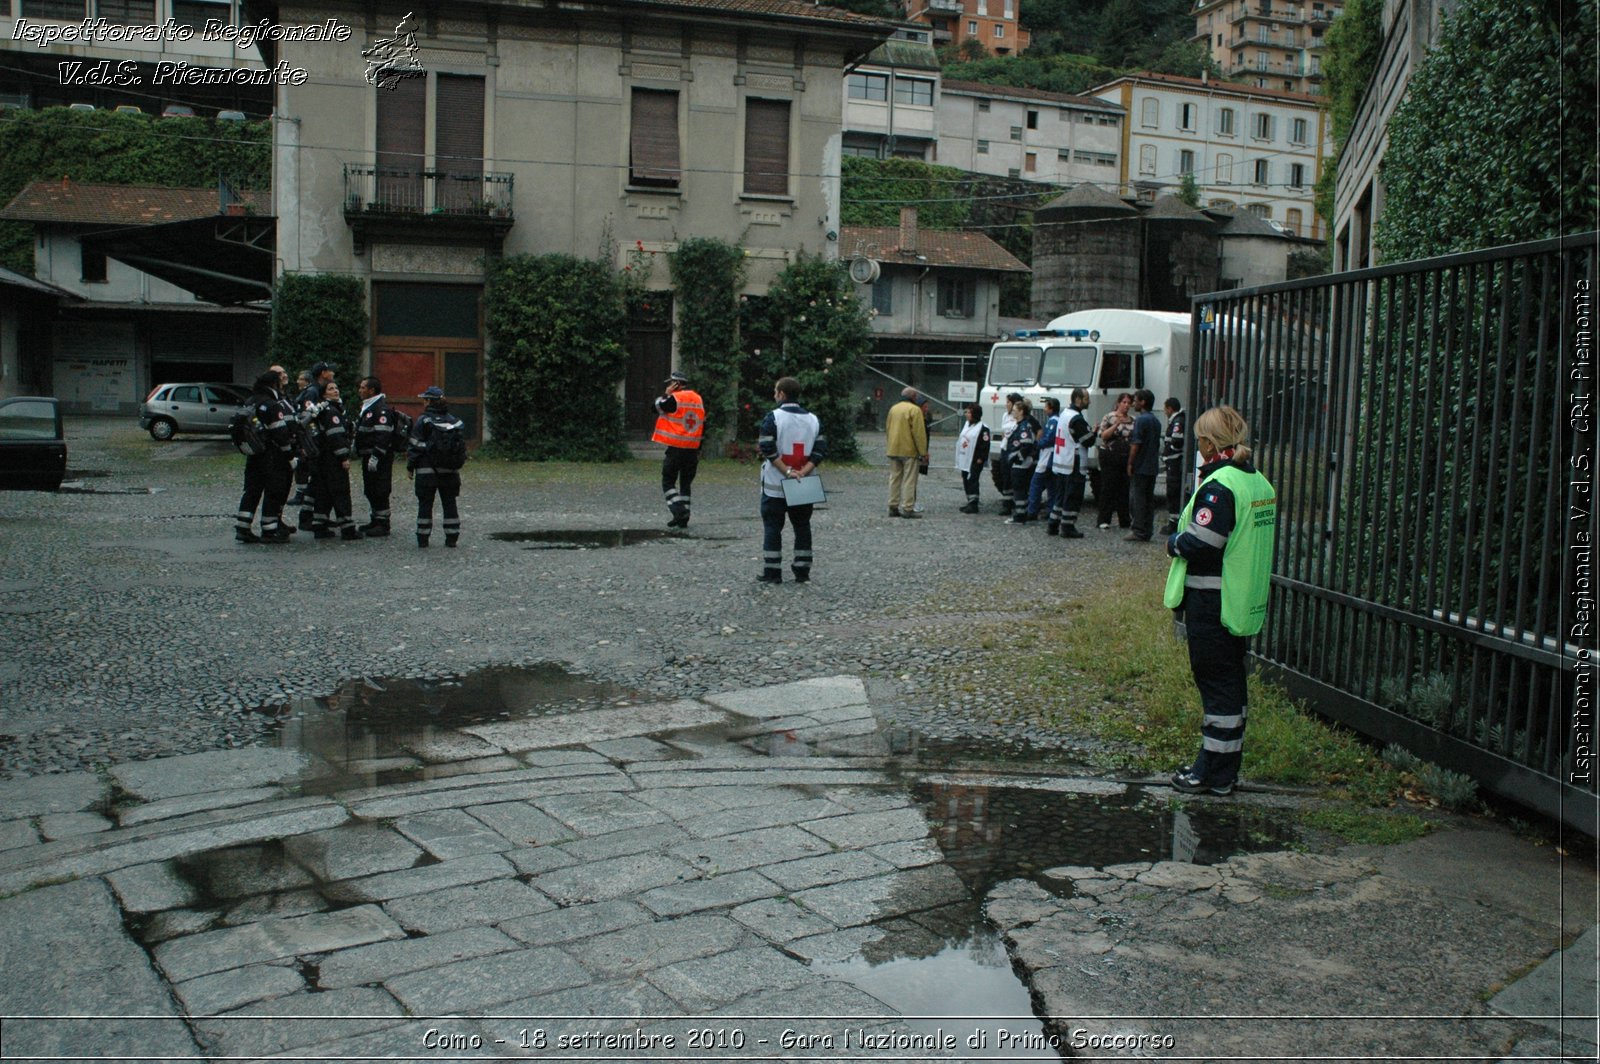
(386, 190)
(1429, 428)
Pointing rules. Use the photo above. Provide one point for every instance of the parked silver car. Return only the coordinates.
(173, 408)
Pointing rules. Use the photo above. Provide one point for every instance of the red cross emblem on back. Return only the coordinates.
(795, 458)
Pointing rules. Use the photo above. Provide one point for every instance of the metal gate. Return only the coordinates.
(1429, 428)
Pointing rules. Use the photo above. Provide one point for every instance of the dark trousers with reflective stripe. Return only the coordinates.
(376, 485)
(447, 485)
(970, 482)
(773, 513)
(1217, 660)
(330, 487)
(1072, 501)
(266, 483)
(1176, 495)
(678, 467)
(1046, 486)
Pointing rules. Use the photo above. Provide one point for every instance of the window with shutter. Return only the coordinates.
(766, 147)
(458, 143)
(402, 140)
(653, 139)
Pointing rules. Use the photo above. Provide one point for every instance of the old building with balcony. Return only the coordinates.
(1254, 149)
(614, 128)
(1270, 44)
(992, 23)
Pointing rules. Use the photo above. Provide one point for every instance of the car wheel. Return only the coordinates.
(162, 428)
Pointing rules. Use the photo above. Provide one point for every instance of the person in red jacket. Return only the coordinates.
(680, 422)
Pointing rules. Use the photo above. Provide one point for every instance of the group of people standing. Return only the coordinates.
(307, 438)
(1041, 468)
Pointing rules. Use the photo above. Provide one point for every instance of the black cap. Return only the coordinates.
(1014, 397)
(676, 377)
(316, 370)
(435, 392)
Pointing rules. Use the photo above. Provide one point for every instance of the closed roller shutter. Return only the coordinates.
(766, 147)
(653, 139)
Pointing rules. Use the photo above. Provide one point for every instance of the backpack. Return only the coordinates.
(447, 445)
(402, 423)
(245, 432)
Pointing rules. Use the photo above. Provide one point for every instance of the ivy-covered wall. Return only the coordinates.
(707, 275)
(319, 318)
(124, 149)
(555, 327)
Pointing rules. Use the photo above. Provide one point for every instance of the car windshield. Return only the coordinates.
(1067, 367)
(1014, 364)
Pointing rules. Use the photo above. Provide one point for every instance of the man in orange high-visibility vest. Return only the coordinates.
(680, 423)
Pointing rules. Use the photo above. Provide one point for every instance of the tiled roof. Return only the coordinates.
(1178, 82)
(787, 9)
(937, 247)
(67, 202)
(979, 88)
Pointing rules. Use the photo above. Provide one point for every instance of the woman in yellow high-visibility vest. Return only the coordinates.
(1220, 577)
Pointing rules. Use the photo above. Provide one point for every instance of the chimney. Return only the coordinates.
(908, 230)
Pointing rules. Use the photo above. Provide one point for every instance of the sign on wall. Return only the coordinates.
(94, 370)
(962, 392)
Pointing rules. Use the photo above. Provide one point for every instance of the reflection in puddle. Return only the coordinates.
(587, 539)
(971, 978)
(373, 732)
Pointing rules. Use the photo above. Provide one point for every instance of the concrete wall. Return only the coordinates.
(1060, 127)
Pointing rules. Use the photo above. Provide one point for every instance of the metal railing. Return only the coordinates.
(1421, 423)
(383, 190)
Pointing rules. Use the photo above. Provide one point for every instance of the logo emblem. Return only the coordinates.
(390, 59)
(1203, 517)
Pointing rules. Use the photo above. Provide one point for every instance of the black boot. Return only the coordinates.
(1053, 528)
(970, 508)
(244, 535)
(450, 540)
(770, 576)
(422, 541)
(374, 530)
(349, 532)
(1071, 532)
(1006, 506)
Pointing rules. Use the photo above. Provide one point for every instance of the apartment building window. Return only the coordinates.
(874, 87)
(957, 297)
(1295, 219)
(458, 140)
(1085, 119)
(999, 29)
(1261, 172)
(1016, 132)
(1150, 112)
(1263, 127)
(983, 105)
(1186, 116)
(1097, 158)
(1264, 35)
(1030, 163)
(1013, 172)
(1260, 210)
(1297, 175)
(983, 8)
(983, 147)
(1297, 131)
(1225, 122)
(402, 136)
(1064, 154)
(196, 13)
(1224, 169)
(1186, 162)
(126, 12)
(972, 27)
(917, 91)
(1147, 158)
(72, 10)
(1261, 63)
(1033, 119)
(92, 265)
(653, 157)
(766, 147)
(1010, 9)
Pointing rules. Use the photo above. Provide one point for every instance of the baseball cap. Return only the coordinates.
(434, 392)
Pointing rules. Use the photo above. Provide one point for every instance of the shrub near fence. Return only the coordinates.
(1415, 420)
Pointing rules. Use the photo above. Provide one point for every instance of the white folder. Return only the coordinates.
(803, 492)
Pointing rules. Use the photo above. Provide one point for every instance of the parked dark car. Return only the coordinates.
(174, 408)
(33, 447)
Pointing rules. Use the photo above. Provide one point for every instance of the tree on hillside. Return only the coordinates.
(1495, 141)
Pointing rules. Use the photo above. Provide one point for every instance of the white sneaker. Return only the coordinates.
(1105, 526)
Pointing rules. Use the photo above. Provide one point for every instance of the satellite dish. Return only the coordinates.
(864, 271)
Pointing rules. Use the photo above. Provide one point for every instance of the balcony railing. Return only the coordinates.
(945, 7)
(383, 190)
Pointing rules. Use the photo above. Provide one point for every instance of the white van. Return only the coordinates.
(1106, 351)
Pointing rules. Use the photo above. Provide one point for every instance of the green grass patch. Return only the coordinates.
(1368, 826)
(1106, 665)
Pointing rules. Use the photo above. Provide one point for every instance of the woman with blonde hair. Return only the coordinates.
(1220, 578)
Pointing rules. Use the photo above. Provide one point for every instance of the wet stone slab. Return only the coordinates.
(17, 833)
(599, 814)
(297, 1020)
(780, 920)
(352, 851)
(446, 874)
(152, 888)
(477, 905)
(270, 940)
(69, 825)
(707, 983)
(168, 808)
(451, 833)
(38, 795)
(656, 945)
(385, 960)
(730, 853)
(865, 900)
(616, 878)
(791, 699)
(477, 985)
(866, 829)
(521, 823)
(221, 770)
(596, 726)
(577, 922)
(719, 892)
(211, 994)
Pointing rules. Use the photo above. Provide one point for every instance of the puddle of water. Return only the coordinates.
(368, 729)
(587, 539)
(973, 978)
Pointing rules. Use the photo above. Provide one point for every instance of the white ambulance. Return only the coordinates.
(1106, 351)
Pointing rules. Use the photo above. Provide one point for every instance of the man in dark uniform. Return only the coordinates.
(312, 382)
(378, 437)
(1174, 442)
(792, 444)
(330, 472)
(434, 457)
(680, 422)
(266, 475)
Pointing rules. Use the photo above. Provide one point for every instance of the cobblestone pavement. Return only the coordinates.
(132, 626)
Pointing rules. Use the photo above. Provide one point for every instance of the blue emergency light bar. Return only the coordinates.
(1073, 334)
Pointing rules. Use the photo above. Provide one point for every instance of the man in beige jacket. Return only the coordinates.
(908, 450)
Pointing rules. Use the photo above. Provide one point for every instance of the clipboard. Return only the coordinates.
(803, 492)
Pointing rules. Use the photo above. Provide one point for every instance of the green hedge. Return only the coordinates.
(122, 149)
(319, 317)
(810, 326)
(555, 325)
(707, 275)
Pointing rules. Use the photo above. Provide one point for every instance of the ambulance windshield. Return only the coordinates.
(1014, 364)
(1067, 367)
